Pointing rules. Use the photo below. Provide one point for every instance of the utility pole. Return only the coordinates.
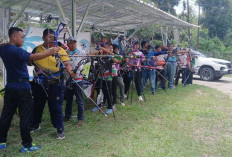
(198, 30)
(189, 35)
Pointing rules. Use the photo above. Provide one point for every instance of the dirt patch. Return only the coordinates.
(200, 92)
(223, 85)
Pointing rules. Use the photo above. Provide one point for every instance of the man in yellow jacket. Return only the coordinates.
(49, 84)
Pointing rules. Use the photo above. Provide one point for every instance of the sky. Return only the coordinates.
(179, 8)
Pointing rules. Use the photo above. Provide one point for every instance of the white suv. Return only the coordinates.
(210, 68)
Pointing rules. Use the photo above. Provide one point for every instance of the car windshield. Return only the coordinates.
(197, 53)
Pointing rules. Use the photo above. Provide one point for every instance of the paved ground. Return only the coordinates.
(224, 84)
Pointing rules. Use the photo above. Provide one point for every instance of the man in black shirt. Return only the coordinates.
(18, 89)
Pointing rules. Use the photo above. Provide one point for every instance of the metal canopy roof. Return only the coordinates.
(117, 15)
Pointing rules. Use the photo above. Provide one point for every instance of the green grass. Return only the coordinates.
(193, 122)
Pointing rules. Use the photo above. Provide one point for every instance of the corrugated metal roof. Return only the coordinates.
(106, 14)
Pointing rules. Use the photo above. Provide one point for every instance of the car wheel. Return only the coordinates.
(218, 78)
(207, 74)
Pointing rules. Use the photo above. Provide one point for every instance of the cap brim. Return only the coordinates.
(71, 41)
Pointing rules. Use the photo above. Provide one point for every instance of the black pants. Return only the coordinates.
(138, 82)
(137, 76)
(107, 91)
(69, 93)
(127, 81)
(55, 101)
(160, 76)
(22, 99)
(178, 77)
(190, 79)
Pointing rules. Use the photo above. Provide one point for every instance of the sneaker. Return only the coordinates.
(140, 98)
(35, 129)
(79, 123)
(123, 104)
(2, 146)
(109, 111)
(125, 96)
(95, 109)
(32, 148)
(60, 135)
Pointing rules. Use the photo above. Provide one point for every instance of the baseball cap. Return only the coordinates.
(70, 39)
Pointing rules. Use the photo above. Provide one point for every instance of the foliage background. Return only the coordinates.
(215, 37)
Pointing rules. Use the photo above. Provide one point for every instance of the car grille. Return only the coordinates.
(229, 65)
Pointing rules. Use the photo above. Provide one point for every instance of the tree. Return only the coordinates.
(167, 5)
(216, 17)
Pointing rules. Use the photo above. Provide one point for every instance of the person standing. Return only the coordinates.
(117, 79)
(151, 73)
(144, 46)
(18, 89)
(171, 64)
(148, 73)
(77, 86)
(106, 76)
(182, 64)
(49, 84)
(136, 71)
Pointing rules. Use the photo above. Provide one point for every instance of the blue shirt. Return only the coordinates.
(173, 58)
(15, 59)
(150, 58)
(157, 53)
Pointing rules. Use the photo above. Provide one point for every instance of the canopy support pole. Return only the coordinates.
(83, 19)
(74, 18)
(4, 26)
(13, 23)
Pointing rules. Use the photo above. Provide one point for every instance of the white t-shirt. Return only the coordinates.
(182, 60)
(75, 60)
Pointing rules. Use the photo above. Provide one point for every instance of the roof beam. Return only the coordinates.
(134, 32)
(83, 19)
(12, 24)
(9, 4)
